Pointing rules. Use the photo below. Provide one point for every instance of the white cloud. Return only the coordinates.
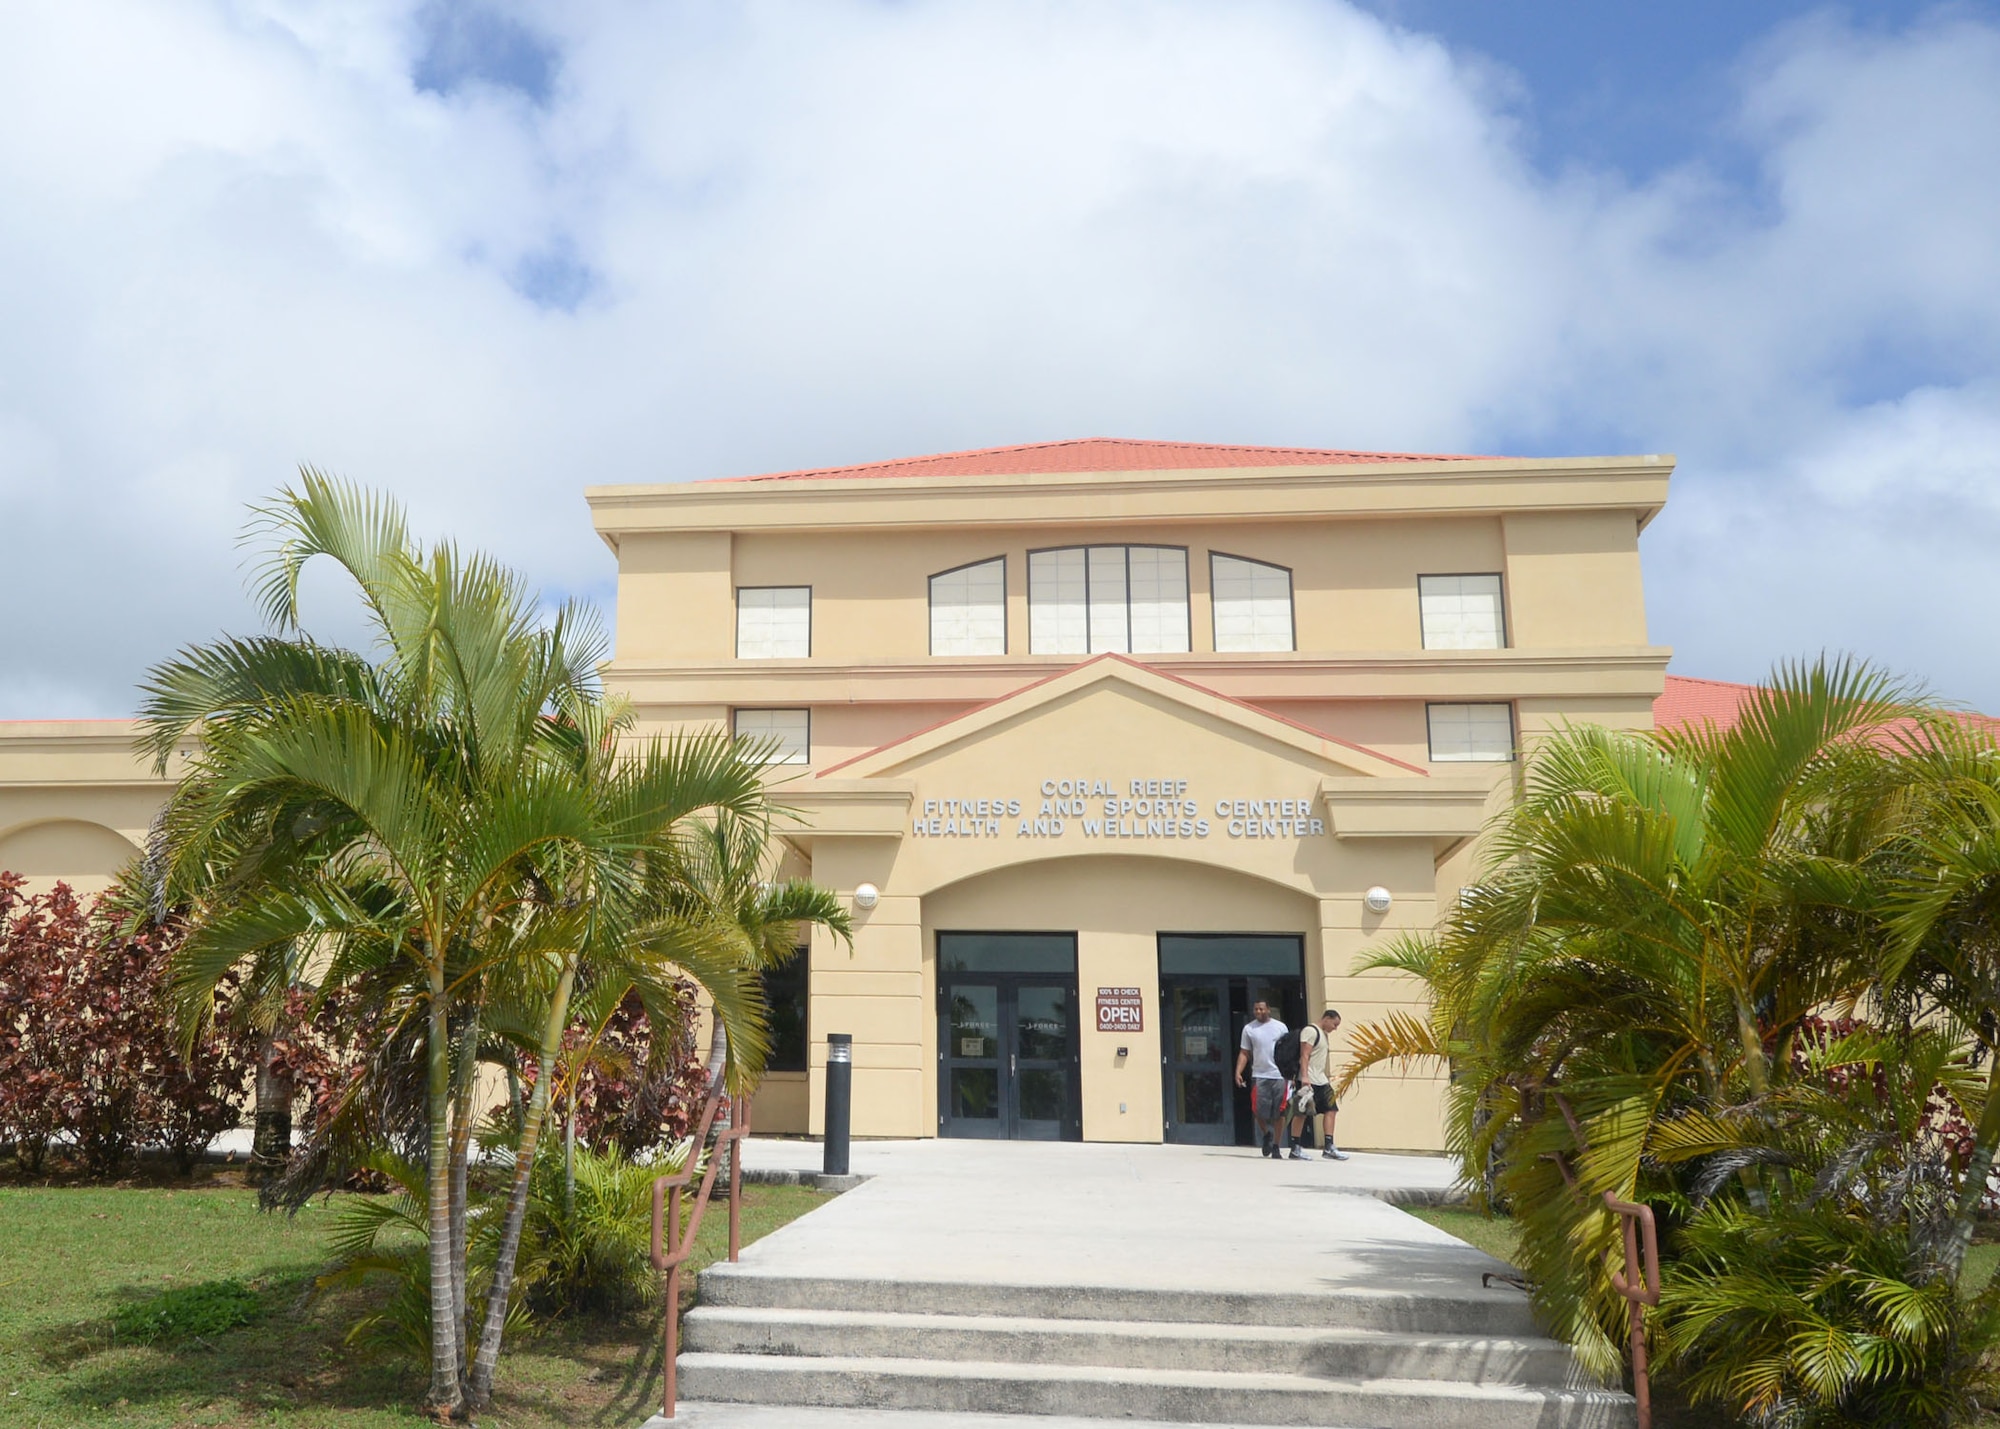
(239, 236)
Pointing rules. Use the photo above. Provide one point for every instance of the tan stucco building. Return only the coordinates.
(1102, 740)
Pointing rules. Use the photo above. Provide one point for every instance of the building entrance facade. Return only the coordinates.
(1008, 1036)
(1209, 982)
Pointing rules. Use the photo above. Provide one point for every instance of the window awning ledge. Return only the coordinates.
(1444, 806)
(848, 808)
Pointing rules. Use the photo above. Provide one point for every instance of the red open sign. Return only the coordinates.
(1120, 1009)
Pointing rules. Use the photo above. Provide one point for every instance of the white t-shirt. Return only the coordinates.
(1314, 1041)
(1259, 1038)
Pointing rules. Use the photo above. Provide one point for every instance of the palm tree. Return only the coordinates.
(449, 819)
(1657, 917)
(1946, 912)
(637, 912)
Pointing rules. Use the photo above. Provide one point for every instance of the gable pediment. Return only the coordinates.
(1114, 717)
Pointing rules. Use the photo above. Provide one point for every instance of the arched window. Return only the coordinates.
(969, 609)
(1253, 604)
(1084, 600)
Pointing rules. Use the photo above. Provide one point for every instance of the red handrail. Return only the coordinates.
(670, 1260)
(1640, 1285)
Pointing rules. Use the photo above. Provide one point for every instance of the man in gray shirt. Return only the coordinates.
(1267, 1083)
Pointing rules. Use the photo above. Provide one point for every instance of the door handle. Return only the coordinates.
(1013, 1069)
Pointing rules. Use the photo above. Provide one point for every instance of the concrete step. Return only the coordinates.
(1470, 1311)
(1178, 1395)
(1130, 1344)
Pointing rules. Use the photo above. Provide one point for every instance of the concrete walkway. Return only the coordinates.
(798, 1416)
(1134, 1217)
(953, 1233)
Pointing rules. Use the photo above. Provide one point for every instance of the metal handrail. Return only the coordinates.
(670, 1260)
(1640, 1285)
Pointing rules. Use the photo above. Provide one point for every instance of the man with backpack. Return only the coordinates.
(1313, 1094)
(1259, 1051)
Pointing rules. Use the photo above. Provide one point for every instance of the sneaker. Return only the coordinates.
(1298, 1154)
(1333, 1153)
(1270, 1147)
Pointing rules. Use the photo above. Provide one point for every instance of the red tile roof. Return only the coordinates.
(1101, 454)
(1691, 701)
(1688, 701)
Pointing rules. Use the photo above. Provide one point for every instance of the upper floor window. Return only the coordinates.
(773, 622)
(1253, 604)
(1471, 734)
(786, 735)
(969, 609)
(1461, 612)
(1083, 600)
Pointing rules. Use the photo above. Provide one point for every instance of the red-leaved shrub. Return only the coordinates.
(636, 1089)
(90, 1057)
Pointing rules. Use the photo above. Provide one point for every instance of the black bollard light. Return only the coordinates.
(839, 1100)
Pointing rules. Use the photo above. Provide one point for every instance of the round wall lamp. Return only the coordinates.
(867, 895)
(1378, 899)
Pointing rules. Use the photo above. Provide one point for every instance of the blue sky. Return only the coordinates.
(484, 254)
(1634, 87)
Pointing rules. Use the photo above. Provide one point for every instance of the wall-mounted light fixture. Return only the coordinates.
(1378, 899)
(867, 895)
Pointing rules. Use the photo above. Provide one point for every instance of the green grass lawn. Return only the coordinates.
(72, 1257)
(1492, 1234)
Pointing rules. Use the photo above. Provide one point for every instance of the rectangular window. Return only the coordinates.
(787, 734)
(1461, 612)
(1058, 603)
(1471, 734)
(1109, 627)
(1085, 600)
(1159, 599)
(786, 1000)
(1253, 604)
(773, 622)
(969, 609)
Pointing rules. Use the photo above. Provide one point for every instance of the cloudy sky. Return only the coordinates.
(484, 254)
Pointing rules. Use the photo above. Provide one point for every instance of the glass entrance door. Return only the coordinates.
(1007, 1036)
(975, 1064)
(1008, 1049)
(1208, 984)
(1197, 1057)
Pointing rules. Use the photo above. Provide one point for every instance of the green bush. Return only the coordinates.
(189, 1312)
(384, 1242)
(1813, 1285)
(1818, 1318)
(584, 1248)
(587, 1247)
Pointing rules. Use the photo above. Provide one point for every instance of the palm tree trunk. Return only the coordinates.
(569, 1151)
(271, 1143)
(462, 1124)
(1978, 1167)
(480, 1388)
(1753, 1047)
(718, 1065)
(445, 1398)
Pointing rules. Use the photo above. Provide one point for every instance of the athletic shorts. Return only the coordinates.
(1318, 1104)
(1267, 1098)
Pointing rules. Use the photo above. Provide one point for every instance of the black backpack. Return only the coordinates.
(1286, 1054)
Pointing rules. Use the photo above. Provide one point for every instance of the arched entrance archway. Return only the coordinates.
(1088, 925)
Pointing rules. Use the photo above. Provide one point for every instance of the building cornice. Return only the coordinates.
(1436, 488)
(1638, 673)
(81, 754)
